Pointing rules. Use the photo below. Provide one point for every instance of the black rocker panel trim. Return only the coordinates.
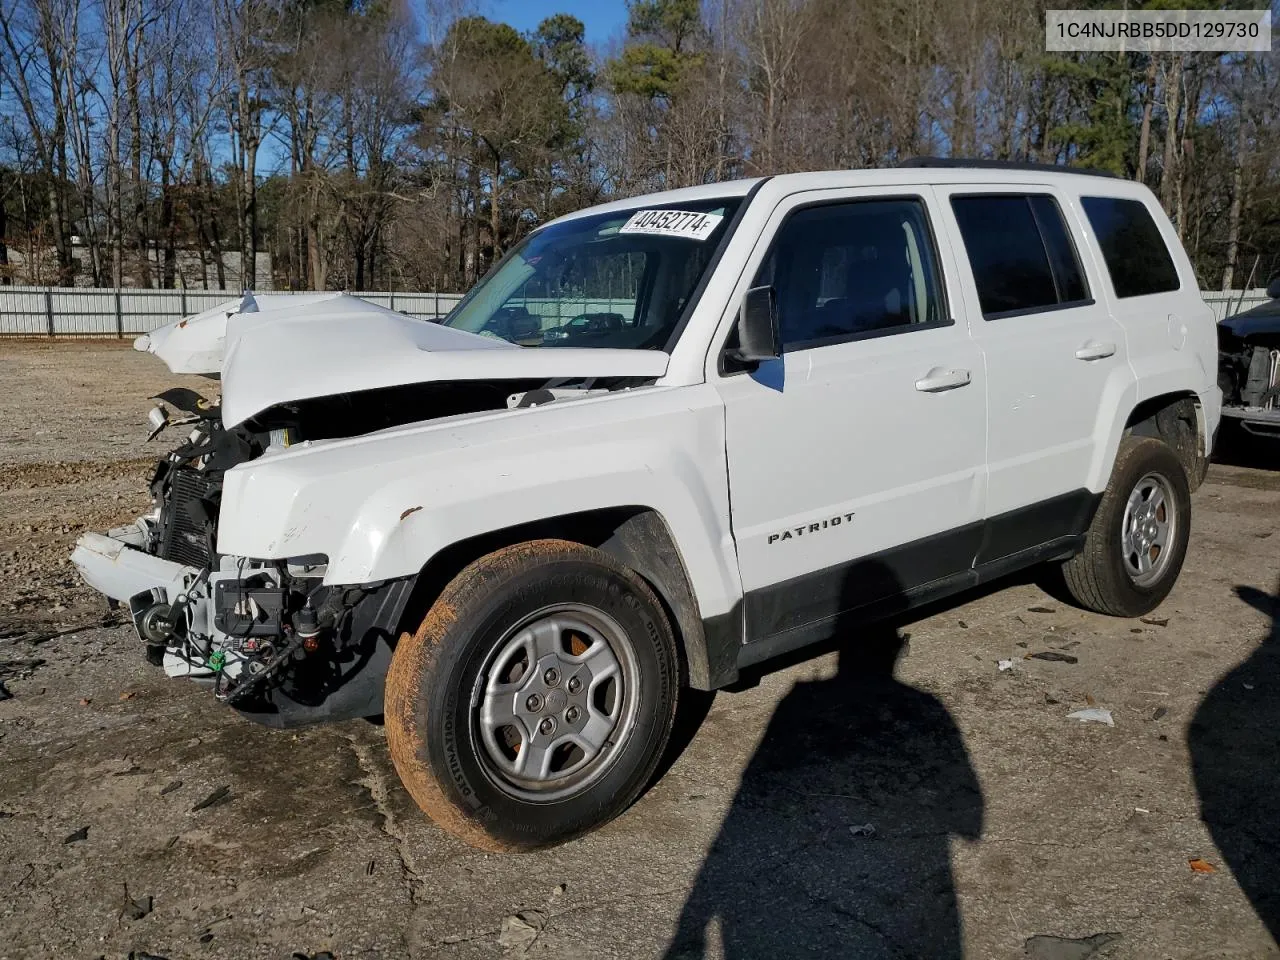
(811, 607)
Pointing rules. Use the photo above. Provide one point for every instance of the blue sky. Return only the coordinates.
(604, 19)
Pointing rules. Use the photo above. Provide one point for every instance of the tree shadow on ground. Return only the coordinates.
(1234, 740)
(790, 872)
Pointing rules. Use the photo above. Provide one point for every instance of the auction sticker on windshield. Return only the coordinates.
(673, 223)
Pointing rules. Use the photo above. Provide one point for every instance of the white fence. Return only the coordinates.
(1227, 303)
(95, 312)
(88, 312)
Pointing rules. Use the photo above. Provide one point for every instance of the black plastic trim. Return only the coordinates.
(1028, 311)
(348, 680)
(823, 594)
(961, 163)
(1029, 527)
(867, 335)
(805, 609)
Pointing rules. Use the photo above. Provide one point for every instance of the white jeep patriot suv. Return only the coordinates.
(663, 440)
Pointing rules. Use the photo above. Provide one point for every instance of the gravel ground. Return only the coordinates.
(845, 806)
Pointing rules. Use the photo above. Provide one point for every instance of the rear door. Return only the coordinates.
(1052, 351)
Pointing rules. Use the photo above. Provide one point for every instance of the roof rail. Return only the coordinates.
(962, 163)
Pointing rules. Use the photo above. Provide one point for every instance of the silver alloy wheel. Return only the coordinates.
(555, 702)
(1148, 529)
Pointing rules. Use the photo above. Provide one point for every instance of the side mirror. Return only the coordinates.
(1273, 288)
(758, 337)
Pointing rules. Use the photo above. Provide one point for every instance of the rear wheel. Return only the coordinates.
(535, 700)
(1138, 538)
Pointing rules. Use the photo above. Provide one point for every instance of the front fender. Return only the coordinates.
(380, 506)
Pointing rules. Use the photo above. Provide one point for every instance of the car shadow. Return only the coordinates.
(838, 842)
(1235, 447)
(1234, 739)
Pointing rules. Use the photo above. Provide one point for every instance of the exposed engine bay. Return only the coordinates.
(271, 634)
(269, 637)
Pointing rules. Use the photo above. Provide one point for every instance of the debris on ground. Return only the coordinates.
(1003, 665)
(1041, 610)
(1045, 947)
(962, 625)
(46, 636)
(143, 955)
(863, 830)
(81, 834)
(1200, 865)
(1052, 655)
(1155, 621)
(217, 796)
(128, 695)
(169, 787)
(519, 930)
(4, 692)
(1092, 715)
(322, 955)
(1159, 713)
(85, 701)
(135, 908)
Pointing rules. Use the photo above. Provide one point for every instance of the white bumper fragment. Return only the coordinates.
(113, 567)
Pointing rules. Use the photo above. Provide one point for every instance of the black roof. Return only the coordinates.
(962, 163)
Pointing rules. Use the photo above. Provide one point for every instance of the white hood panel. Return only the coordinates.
(271, 350)
(196, 344)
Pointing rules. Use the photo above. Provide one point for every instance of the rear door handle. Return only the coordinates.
(940, 378)
(1093, 350)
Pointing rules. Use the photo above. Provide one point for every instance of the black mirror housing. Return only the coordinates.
(1273, 288)
(758, 337)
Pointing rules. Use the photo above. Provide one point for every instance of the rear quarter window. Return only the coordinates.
(1132, 247)
(1021, 253)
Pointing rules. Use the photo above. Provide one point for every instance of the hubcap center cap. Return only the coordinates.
(556, 701)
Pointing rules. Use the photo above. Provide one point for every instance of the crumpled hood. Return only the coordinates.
(308, 346)
(196, 344)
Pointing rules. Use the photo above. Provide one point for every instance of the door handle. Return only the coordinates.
(940, 378)
(1093, 350)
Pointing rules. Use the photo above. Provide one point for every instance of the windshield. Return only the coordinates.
(613, 280)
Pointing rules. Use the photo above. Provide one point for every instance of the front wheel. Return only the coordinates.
(1137, 541)
(534, 702)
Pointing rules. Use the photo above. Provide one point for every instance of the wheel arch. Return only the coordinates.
(636, 536)
(1178, 419)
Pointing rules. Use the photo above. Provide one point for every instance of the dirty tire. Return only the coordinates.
(437, 674)
(1097, 577)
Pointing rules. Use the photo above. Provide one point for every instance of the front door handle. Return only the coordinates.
(940, 378)
(1093, 350)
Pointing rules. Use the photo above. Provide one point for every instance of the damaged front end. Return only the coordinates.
(268, 634)
(268, 637)
(1249, 369)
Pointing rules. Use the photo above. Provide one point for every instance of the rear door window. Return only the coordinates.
(1021, 253)
(1134, 251)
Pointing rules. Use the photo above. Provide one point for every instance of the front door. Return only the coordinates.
(856, 460)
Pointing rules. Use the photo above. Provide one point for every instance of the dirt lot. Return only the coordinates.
(998, 823)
